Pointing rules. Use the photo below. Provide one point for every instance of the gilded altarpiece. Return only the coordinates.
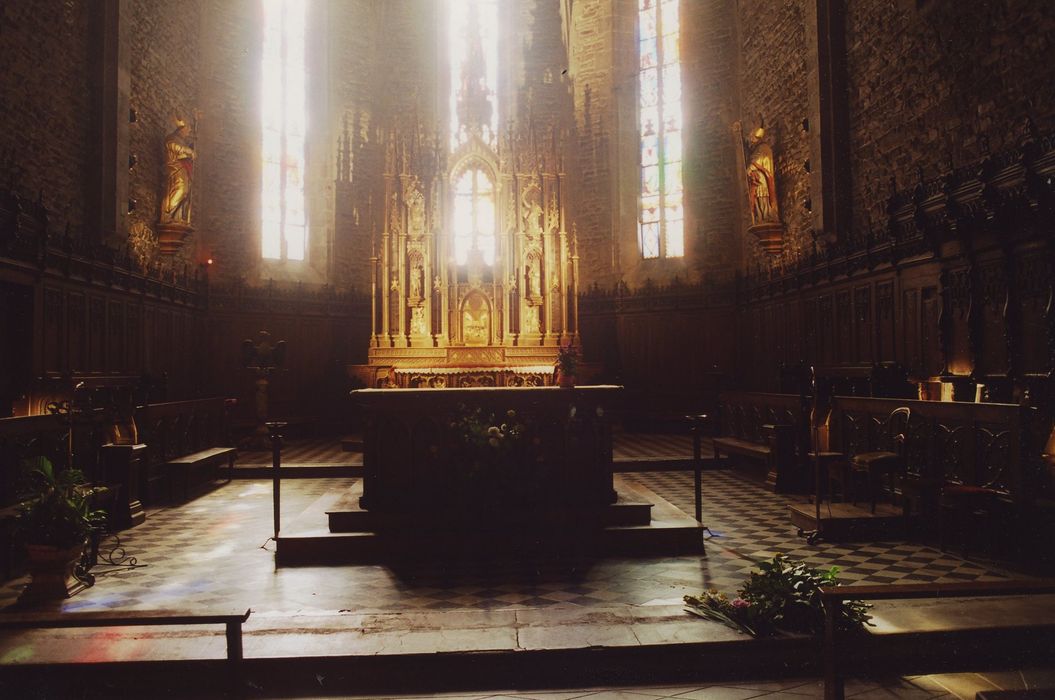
(486, 307)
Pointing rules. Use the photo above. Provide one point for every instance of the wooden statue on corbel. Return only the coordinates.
(760, 169)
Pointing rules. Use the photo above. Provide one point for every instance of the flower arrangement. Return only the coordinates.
(782, 596)
(482, 434)
(567, 363)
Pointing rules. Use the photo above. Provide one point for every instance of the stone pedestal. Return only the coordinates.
(171, 236)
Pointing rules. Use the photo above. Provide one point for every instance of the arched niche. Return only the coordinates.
(477, 319)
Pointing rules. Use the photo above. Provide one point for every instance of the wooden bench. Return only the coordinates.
(197, 468)
(840, 649)
(768, 428)
(188, 442)
(231, 619)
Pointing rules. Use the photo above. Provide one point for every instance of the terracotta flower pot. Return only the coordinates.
(51, 573)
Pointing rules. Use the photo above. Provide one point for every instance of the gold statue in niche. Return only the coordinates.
(179, 168)
(760, 185)
(759, 166)
(174, 222)
(476, 321)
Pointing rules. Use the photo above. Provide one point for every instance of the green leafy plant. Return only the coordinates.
(56, 507)
(567, 359)
(782, 596)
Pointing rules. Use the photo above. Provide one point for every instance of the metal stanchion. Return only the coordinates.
(273, 429)
(696, 426)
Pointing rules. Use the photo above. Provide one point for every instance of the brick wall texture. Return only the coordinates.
(46, 112)
(925, 86)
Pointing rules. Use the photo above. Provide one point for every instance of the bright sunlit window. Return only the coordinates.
(661, 229)
(283, 117)
(472, 40)
(474, 216)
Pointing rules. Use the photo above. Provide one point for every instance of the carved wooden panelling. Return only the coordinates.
(910, 330)
(885, 328)
(163, 341)
(824, 316)
(991, 328)
(134, 337)
(115, 346)
(863, 326)
(76, 314)
(1034, 286)
(957, 301)
(54, 338)
(96, 333)
(844, 330)
(811, 326)
(930, 333)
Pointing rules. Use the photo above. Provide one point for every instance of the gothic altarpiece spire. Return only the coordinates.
(474, 266)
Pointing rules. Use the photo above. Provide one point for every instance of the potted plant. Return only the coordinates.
(567, 365)
(54, 521)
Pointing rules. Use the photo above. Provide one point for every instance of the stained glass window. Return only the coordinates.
(661, 221)
(284, 225)
(474, 216)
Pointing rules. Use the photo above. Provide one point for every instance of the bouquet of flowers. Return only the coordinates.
(782, 596)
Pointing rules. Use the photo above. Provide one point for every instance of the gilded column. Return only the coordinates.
(373, 301)
(575, 281)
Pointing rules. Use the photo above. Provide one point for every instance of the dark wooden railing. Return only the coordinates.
(832, 597)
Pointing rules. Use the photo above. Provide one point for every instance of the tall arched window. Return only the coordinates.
(661, 230)
(474, 216)
(284, 225)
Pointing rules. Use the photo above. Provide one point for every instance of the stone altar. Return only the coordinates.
(513, 454)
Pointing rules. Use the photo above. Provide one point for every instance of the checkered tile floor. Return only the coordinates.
(751, 523)
(216, 550)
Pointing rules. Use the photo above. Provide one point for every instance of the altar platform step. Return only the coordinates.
(625, 530)
(850, 522)
(374, 654)
(347, 516)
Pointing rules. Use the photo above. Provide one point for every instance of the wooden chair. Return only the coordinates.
(878, 463)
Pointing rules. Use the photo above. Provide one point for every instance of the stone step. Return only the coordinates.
(308, 540)
(352, 443)
(349, 517)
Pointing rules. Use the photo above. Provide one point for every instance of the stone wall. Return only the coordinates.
(228, 218)
(592, 205)
(163, 50)
(928, 88)
(46, 123)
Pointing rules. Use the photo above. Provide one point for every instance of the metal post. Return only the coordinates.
(698, 470)
(234, 642)
(696, 426)
(833, 681)
(276, 465)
